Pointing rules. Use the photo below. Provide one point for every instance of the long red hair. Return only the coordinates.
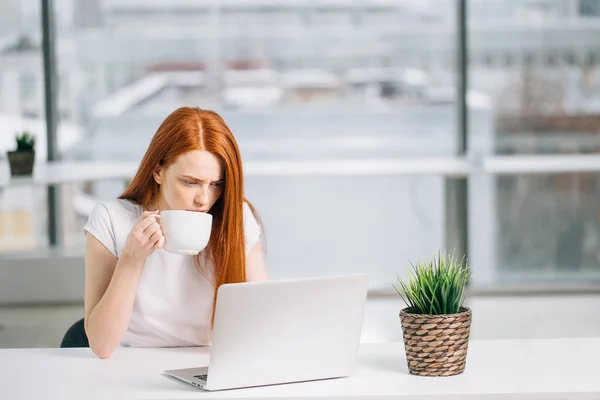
(188, 129)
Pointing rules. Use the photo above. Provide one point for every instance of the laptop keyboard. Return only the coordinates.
(201, 377)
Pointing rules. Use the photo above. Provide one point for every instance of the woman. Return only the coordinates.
(136, 292)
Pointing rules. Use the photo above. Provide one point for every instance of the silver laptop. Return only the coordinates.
(274, 332)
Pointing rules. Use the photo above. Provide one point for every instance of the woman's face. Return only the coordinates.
(193, 182)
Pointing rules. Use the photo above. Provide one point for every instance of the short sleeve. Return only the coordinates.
(100, 225)
(251, 228)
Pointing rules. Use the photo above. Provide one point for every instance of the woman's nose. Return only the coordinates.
(201, 198)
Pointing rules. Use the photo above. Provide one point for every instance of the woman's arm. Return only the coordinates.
(110, 289)
(111, 284)
(256, 270)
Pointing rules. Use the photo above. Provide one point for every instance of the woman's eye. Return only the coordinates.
(217, 184)
(188, 182)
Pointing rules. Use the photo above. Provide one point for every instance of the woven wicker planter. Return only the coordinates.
(436, 345)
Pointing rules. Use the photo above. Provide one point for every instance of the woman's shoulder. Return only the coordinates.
(118, 214)
(119, 208)
(110, 222)
(252, 228)
(249, 216)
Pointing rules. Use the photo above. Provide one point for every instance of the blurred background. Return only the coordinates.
(373, 133)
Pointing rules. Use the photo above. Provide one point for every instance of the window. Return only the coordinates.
(322, 91)
(543, 228)
(329, 101)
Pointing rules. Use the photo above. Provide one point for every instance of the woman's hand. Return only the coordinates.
(145, 237)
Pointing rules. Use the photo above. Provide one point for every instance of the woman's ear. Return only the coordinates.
(158, 175)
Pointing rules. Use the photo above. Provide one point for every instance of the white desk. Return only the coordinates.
(512, 369)
(61, 172)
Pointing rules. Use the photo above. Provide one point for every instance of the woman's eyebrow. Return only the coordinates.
(193, 178)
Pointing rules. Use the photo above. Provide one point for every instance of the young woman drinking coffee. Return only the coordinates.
(138, 293)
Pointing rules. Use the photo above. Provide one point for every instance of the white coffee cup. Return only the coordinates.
(186, 232)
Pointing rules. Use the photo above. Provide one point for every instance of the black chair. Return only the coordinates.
(75, 336)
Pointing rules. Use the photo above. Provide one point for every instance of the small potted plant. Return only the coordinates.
(435, 324)
(22, 159)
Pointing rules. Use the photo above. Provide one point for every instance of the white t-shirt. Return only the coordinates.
(174, 299)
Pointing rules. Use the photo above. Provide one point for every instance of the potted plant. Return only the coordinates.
(435, 324)
(22, 159)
